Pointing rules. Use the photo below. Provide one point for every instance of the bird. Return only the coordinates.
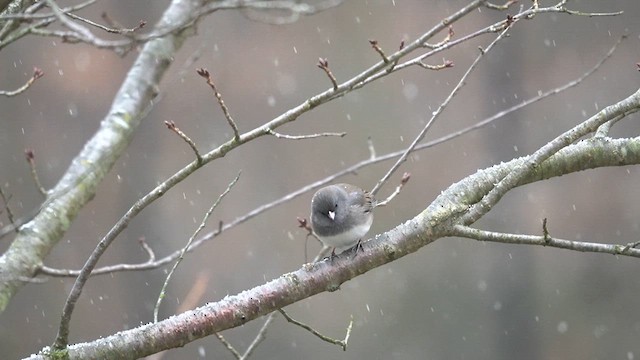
(341, 214)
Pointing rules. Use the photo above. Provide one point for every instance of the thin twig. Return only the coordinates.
(504, 6)
(372, 149)
(37, 74)
(151, 263)
(30, 14)
(5, 201)
(378, 49)
(590, 14)
(184, 249)
(507, 238)
(10, 228)
(444, 41)
(545, 230)
(295, 10)
(259, 337)
(603, 130)
(81, 32)
(112, 30)
(147, 249)
(304, 224)
(31, 160)
(324, 65)
(437, 113)
(342, 343)
(631, 245)
(403, 182)
(205, 74)
(445, 64)
(302, 137)
(172, 126)
(228, 345)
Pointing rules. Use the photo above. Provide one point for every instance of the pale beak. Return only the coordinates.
(332, 215)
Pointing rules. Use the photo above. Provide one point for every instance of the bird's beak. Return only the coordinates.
(332, 215)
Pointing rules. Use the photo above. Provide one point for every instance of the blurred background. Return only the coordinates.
(454, 299)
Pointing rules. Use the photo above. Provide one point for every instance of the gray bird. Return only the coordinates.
(341, 215)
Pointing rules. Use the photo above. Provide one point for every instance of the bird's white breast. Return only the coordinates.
(347, 239)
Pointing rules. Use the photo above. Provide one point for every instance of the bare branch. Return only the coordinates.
(590, 14)
(31, 160)
(151, 263)
(314, 278)
(37, 74)
(293, 10)
(172, 126)
(259, 337)
(148, 249)
(405, 178)
(444, 41)
(80, 182)
(81, 32)
(444, 65)
(544, 240)
(531, 163)
(5, 201)
(342, 343)
(436, 114)
(257, 132)
(504, 6)
(205, 74)
(114, 28)
(30, 13)
(15, 226)
(324, 65)
(186, 247)
(303, 137)
(372, 149)
(228, 345)
(378, 49)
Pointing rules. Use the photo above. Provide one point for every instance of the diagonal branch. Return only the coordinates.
(37, 74)
(438, 111)
(374, 159)
(79, 183)
(532, 163)
(184, 249)
(432, 223)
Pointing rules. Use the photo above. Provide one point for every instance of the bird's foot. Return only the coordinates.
(357, 247)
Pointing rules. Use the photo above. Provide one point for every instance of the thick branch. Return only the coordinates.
(531, 163)
(437, 221)
(78, 184)
(125, 116)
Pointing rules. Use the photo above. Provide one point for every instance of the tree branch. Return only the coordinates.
(440, 219)
(541, 240)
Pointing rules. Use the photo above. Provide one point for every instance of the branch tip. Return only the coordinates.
(37, 73)
(205, 74)
(324, 65)
(172, 126)
(29, 154)
(378, 49)
(405, 178)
